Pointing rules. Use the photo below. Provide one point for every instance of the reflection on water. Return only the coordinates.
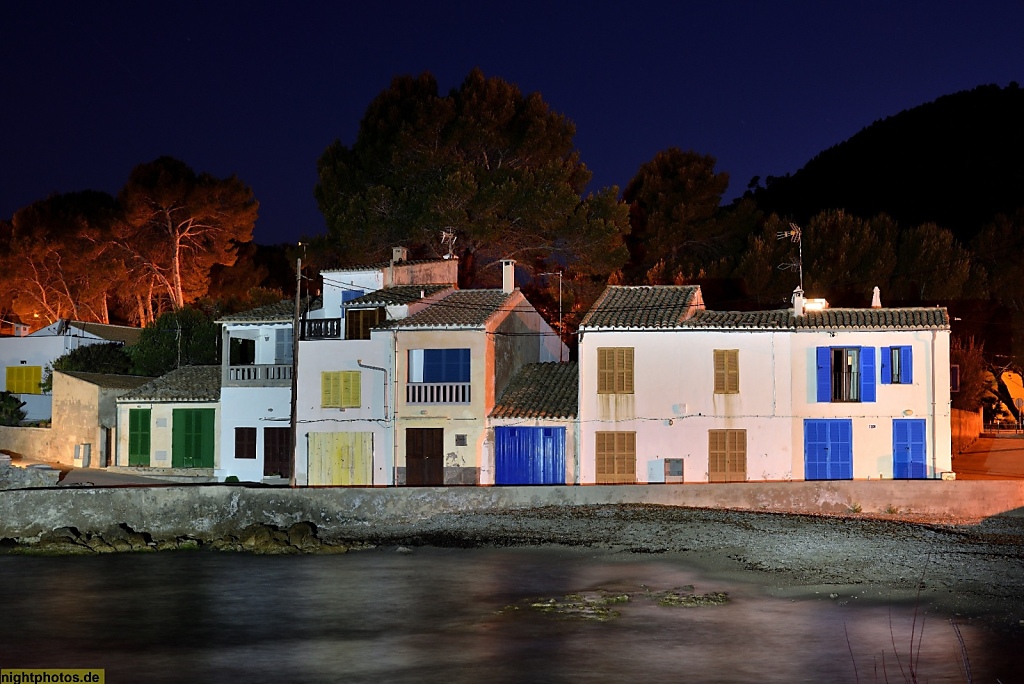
(381, 616)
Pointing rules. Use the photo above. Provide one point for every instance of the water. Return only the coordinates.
(434, 616)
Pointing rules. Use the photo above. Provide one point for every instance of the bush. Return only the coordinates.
(10, 409)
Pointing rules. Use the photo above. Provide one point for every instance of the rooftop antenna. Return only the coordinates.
(795, 234)
(448, 237)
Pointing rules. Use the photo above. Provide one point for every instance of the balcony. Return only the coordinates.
(261, 375)
(437, 393)
(322, 329)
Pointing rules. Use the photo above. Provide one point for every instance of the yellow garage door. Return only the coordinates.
(341, 458)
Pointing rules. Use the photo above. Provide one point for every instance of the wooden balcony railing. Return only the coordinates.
(437, 393)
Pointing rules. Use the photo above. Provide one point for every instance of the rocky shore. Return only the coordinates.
(971, 567)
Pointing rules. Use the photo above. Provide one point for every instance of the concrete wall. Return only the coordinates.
(965, 427)
(213, 511)
(30, 443)
(75, 418)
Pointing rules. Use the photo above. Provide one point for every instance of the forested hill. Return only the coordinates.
(957, 161)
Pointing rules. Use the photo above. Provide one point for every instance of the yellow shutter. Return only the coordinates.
(615, 370)
(24, 379)
(605, 371)
(615, 457)
(727, 371)
(737, 449)
(719, 371)
(341, 458)
(350, 389)
(330, 389)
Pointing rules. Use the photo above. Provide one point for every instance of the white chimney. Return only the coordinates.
(399, 254)
(876, 298)
(508, 275)
(798, 302)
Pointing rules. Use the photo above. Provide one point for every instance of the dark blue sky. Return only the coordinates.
(259, 89)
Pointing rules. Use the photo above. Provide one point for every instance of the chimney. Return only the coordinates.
(798, 302)
(399, 254)
(876, 299)
(508, 275)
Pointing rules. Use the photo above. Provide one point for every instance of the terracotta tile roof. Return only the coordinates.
(915, 318)
(191, 383)
(125, 334)
(278, 312)
(110, 380)
(396, 294)
(653, 306)
(460, 309)
(379, 266)
(541, 390)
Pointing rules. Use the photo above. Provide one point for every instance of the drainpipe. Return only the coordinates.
(359, 362)
(935, 421)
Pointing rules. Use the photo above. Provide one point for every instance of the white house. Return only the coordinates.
(25, 358)
(672, 392)
(346, 375)
(170, 425)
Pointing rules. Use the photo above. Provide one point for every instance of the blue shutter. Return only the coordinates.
(463, 365)
(906, 365)
(529, 456)
(824, 359)
(841, 446)
(433, 365)
(867, 374)
(884, 363)
(456, 365)
(908, 449)
(349, 295)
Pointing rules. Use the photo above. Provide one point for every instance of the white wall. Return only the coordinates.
(257, 407)
(336, 282)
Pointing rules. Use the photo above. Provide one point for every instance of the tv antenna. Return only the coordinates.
(795, 234)
(448, 237)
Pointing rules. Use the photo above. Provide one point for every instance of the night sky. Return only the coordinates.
(259, 89)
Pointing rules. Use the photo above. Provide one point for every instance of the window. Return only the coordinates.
(616, 457)
(340, 389)
(24, 379)
(439, 365)
(245, 442)
(727, 455)
(242, 352)
(283, 338)
(897, 366)
(358, 322)
(615, 370)
(845, 374)
(954, 377)
(727, 371)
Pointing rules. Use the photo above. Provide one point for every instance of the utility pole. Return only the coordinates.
(296, 336)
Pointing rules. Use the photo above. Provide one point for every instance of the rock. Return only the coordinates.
(303, 536)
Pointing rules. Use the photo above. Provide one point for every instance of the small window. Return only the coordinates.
(340, 389)
(245, 442)
(897, 365)
(460, 440)
(845, 374)
(616, 457)
(727, 371)
(283, 340)
(24, 379)
(242, 352)
(439, 365)
(954, 377)
(615, 370)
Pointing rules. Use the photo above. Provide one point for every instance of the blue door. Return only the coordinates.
(908, 448)
(828, 449)
(529, 455)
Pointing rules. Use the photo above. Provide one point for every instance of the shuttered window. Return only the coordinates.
(727, 371)
(245, 442)
(897, 365)
(359, 322)
(340, 389)
(615, 370)
(845, 374)
(616, 457)
(727, 455)
(283, 340)
(24, 379)
(139, 422)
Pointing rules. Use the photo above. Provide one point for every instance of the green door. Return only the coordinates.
(192, 438)
(139, 421)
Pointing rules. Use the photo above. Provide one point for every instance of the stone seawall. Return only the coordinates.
(219, 511)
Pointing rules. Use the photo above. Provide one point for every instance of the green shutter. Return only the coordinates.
(139, 422)
(192, 438)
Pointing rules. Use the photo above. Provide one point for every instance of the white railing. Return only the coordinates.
(437, 393)
(270, 374)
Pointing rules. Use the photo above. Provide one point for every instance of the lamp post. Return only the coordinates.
(560, 331)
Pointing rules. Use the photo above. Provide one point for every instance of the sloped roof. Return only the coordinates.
(278, 312)
(190, 383)
(125, 334)
(396, 295)
(460, 309)
(110, 380)
(911, 318)
(541, 390)
(380, 265)
(653, 306)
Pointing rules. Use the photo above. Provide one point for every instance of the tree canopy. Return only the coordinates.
(186, 337)
(492, 166)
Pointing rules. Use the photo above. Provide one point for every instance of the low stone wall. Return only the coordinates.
(218, 511)
(27, 442)
(21, 478)
(965, 427)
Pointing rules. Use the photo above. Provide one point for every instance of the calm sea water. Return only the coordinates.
(433, 616)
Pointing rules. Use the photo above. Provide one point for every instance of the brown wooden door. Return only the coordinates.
(277, 458)
(424, 456)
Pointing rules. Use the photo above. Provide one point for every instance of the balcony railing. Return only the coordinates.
(262, 375)
(322, 329)
(437, 393)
